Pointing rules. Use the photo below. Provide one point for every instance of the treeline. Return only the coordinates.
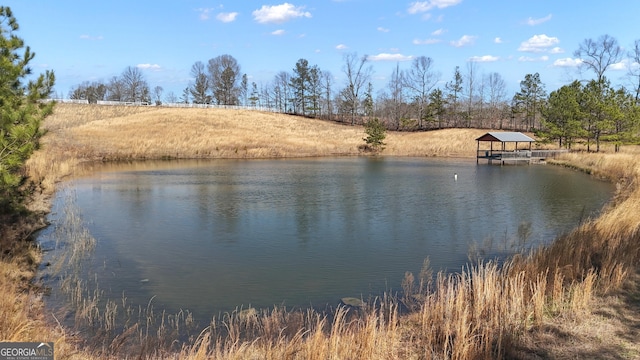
(412, 99)
(593, 112)
(130, 86)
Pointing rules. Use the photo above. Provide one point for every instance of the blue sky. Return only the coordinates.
(96, 40)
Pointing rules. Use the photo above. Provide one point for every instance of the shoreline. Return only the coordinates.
(618, 174)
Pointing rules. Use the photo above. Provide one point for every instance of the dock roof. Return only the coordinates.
(505, 136)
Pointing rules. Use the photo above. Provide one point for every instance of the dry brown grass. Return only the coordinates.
(573, 299)
(22, 312)
(100, 132)
(80, 133)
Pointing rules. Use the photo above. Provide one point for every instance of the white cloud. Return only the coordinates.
(498, 40)
(279, 13)
(624, 65)
(538, 43)
(556, 50)
(419, 6)
(531, 59)
(384, 30)
(533, 22)
(227, 17)
(441, 4)
(438, 32)
(389, 57)
(485, 58)
(567, 62)
(149, 66)
(278, 32)
(89, 37)
(205, 13)
(342, 47)
(424, 6)
(426, 16)
(463, 41)
(426, 41)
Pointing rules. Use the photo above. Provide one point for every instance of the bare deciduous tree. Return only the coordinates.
(171, 97)
(633, 70)
(224, 74)
(599, 55)
(419, 80)
(470, 88)
(115, 89)
(395, 103)
(327, 85)
(497, 95)
(135, 87)
(157, 94)
(357, 76)
(90, 91)
(282, 91)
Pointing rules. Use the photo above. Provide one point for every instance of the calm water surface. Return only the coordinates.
(209, 236)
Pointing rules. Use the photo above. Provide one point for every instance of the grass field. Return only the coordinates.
(83, 132)
(578, 298)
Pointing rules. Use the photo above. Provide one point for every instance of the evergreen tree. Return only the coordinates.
(244, 89)
(315, 89)
(21, 108)
(596, 121)
(530, 99)
(436, 107)
(455, 90)
(300, 84)
(623, 114)
(199, 90)
(376, 133)
(562, 116)
(368, 101)
(254, 99)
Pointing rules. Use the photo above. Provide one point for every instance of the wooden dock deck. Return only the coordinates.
(518, 155)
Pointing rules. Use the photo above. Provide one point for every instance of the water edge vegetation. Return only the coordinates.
(543, 304)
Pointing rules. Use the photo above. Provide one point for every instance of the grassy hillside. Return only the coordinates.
(578, 298)
(90, 132)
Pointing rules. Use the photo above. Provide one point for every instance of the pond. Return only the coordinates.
(211, 236)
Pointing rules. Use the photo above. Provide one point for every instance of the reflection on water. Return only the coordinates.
(212, 235)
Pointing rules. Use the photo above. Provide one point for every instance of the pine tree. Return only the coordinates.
(376, 133)
(530, 99)
(299, 83)
(563, 116)
(453, 97)
(21, 108)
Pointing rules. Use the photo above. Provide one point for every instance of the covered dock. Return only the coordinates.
(513, 147)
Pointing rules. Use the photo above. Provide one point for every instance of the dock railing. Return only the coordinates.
(545, 154)
(518, 155)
